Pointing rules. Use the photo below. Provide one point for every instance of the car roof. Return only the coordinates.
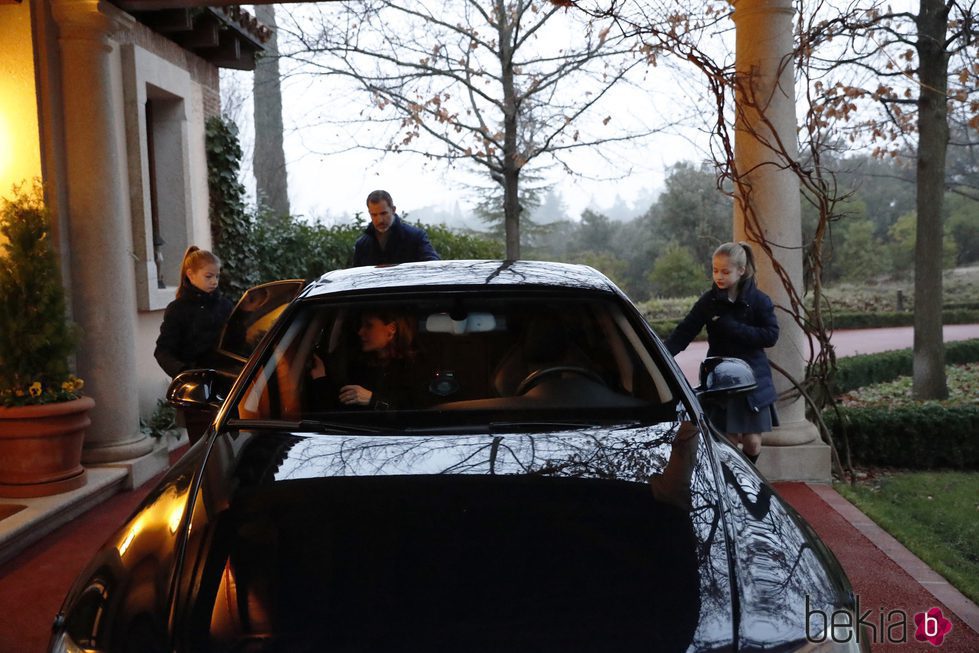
(461, 273)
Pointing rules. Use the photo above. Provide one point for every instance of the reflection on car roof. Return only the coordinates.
(460, 273)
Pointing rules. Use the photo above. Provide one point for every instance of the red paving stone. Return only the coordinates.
(881, 583)
(33, 584)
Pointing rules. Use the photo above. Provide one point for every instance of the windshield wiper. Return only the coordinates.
(305, 424)
(549, 425)
(510, 427)
(340, 427)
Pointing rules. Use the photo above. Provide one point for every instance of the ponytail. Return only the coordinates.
(749, 264)
(741, 255)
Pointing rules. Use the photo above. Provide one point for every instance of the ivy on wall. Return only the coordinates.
(232, 226)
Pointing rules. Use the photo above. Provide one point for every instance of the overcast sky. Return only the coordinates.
(329, 181)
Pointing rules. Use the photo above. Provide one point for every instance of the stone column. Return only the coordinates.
(99, 232)
(769, 208)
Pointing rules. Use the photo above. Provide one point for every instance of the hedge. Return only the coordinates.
(871, 320)
(921, 436)
(971, 306)
(867, 369)
(664, 328)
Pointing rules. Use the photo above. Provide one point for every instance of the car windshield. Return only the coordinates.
(451, 359)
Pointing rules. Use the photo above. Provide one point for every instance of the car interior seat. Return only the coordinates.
(544, 343)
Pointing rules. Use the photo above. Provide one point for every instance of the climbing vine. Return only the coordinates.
(232, 226)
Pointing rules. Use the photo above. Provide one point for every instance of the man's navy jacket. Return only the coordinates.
(406, 243)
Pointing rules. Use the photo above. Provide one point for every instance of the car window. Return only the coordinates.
(467, 359)
(254, 315)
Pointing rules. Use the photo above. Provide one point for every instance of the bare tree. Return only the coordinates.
(492, 83)
(928, 379)
(269, 162)
(919, 69)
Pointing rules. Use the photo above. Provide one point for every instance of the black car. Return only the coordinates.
(530, 471)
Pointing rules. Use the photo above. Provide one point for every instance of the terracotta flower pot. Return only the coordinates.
(41, 448)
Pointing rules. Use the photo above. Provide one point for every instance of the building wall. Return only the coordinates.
(153, 381)
(140, 62)
(156, 69)
(20, 151)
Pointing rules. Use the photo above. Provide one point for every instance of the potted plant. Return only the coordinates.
(43, 414)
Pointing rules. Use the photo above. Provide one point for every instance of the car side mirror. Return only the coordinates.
(722, 377)
(199, 389)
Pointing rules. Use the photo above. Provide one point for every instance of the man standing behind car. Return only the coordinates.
(387, 239)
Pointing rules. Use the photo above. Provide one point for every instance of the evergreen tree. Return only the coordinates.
(36, 337)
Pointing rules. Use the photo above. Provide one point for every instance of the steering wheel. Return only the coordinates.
(534, 377)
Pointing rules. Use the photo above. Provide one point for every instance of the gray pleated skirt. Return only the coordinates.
(737, 416)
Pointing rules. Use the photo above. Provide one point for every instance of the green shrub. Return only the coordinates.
(916, 436)
(290, 248)
(256, 248)
(454, 245)
(968, 306)
(676, 273)
(862, 256)
(36, 337)
(663, 328)
(231, 222)
(667, 309)
(161, 422)
(664, 314)
(868, 369)
(864, 320)
(885, 427)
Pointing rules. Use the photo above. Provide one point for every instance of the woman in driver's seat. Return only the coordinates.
(382, 375)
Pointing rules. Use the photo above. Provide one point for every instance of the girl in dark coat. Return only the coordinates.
(192, 322)
(192, 325)
(741, 323)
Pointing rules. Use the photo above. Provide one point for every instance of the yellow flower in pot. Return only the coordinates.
(43, 414)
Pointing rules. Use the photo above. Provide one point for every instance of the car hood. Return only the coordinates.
(518, 541)
(510, 541)
(562, 527)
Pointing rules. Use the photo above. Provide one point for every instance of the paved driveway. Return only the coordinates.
(847, 343)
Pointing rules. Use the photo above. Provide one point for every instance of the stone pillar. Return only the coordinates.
(769, 209)
(99, 232)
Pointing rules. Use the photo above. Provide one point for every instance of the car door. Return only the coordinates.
(253, 316)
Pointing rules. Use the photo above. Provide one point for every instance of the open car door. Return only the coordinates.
(252, 317)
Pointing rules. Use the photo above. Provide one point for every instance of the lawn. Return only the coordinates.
(934, 514)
